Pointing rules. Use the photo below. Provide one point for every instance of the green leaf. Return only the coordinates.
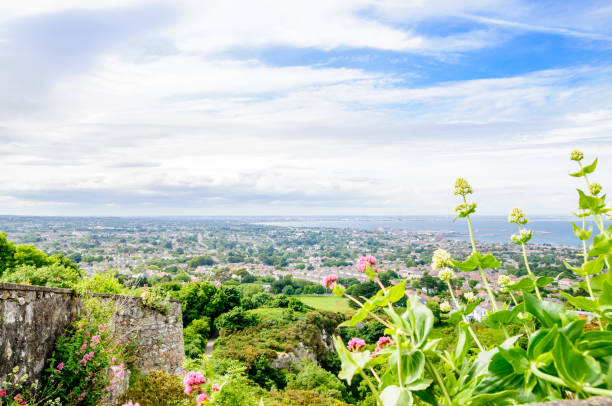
(548, 313)
(605, 299)
(597, 344)
(587, 202)
(575, 368)
(593, 266)
(411, 363)
(578, 174)
(357, 317)
(397, 292)
(525, 284)
(602, 245)
(395, 396)
(541, 342)
(503, 317)
(463, 344)
(338, 290)
(419, 385)
(420, 319)
(469, 264)
(575, 269)
(581, 302)
(590, 168)
(582, 234)
(498, 399)
(489, 261)
(544, 280)
(455, 317)
(517, 358)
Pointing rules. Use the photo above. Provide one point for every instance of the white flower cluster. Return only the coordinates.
(524, 237)
(469, 297)
(441, 259)
(503, 281)
(445, 307)
(446, 274)
(517, 216)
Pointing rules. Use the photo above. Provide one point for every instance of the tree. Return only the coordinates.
(235, 319)
(30, 255)
(195, 335)
(7, 253)
(197, 301)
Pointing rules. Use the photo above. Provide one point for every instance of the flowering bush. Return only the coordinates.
(560, 359)
(88, 361)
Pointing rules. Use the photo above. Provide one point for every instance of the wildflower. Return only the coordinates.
(355, 344)
(215, 387)
(192, 379)
(462, 187)
(2, 393)
(330, 281)
(576, 155)
(469, 297)
(445, 307)
(95, 340)
(446, 274)
(517, 216)
(202, 397)
(503, 281)
(366, 261)
(595, 188)
(59, 279)
(60, 366)
(146, 295)
(383, 342)
(522, 238)
(130, 404)
(441, 259)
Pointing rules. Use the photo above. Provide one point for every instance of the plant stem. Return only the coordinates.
(375, 375)
(371, 313)
(439, 381)
(371, 386)
(465, 320)
(482, 274)
(559, 382)
(516, 304)
(528, 267)
(398, 343)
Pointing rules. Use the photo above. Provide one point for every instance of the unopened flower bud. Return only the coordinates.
(446, 274)
(445, 307)
(517, 216)
(462, 187)
(576, 155)
(595, 188)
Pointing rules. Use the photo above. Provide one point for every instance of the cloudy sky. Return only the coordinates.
(116, 107)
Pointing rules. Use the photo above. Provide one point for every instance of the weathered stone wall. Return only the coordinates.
(32, 318)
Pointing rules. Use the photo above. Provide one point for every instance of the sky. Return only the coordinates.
(333, 107)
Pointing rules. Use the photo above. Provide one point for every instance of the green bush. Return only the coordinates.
(157, 388)
(53, 275)
(310, 376)
(196, 335)
(235, 319)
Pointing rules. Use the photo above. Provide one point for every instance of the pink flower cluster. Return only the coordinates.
(86, 358)
(355, 344)
(117, 376)
(366, 261)
(19, 400)
(131, 404)
(2, 393)
(193, 379)
(383, 342)
(330, 281)
(95, 340)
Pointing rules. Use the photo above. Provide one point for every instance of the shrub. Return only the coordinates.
(157, 388)
(53, 275)
(196, 336)
(235, 319)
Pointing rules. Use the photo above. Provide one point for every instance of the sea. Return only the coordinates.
(555, 231)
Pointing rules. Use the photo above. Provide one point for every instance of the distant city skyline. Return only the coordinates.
(347, 107)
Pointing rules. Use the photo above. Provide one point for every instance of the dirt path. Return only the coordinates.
(210, 343)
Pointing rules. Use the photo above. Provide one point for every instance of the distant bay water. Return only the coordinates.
(495, 229)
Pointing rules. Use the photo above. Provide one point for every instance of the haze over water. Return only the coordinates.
(496, 229)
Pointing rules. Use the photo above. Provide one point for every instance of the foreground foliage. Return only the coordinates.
(557, 357)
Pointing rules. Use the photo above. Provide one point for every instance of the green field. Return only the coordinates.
(330, 303)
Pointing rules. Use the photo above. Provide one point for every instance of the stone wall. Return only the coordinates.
(32, 318)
